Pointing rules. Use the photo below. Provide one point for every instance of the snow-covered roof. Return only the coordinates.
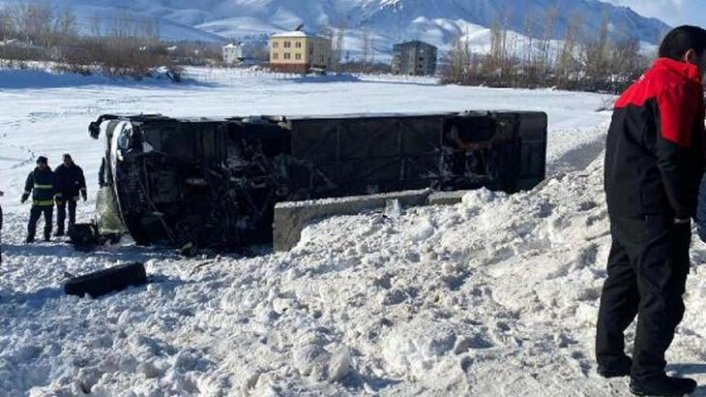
(231, 45)
(295, 33)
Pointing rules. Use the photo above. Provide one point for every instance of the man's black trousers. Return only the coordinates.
(647, 268)
(34, 215)
(61, 215)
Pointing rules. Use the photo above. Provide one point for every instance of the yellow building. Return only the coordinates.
(299, 52)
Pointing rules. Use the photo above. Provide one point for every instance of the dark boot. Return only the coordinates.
(662, 386)
(617, 369)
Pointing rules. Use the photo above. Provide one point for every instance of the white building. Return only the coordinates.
(232, 53)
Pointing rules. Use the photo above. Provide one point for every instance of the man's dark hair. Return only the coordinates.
(679, 40)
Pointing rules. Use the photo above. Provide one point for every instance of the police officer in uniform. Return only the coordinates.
(41, 185)
(69, 184)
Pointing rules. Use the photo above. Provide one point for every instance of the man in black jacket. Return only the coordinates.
(70, 183)
(41, 184)
(655, 157)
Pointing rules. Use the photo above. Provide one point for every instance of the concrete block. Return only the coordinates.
(447, 198)
(292, 216)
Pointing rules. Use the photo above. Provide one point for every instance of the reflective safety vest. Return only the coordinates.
(42, 186)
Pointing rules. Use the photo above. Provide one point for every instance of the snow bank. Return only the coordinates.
(40, 75)
(495, 296)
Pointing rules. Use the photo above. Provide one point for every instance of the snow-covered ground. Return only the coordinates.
(496, 296)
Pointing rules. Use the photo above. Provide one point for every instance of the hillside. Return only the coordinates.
(386, 21)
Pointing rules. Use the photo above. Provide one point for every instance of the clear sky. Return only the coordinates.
(673, 12)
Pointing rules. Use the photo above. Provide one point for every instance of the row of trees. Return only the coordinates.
(341, 61)
(33, 30)
(578, 61)
(36, 22)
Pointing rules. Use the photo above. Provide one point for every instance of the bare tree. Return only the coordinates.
(458, 61)
(6, 28)
(35, 21)
(567, 54)
(528, 48)
(6, 23)
(544, 57)
(149, 30)
(96, 25)
(65, 26)
(596, 57)
(497, 62)
(367, 45)
(627, 63)
(328, 33)
(337, 45)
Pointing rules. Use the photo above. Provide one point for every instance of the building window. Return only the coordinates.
(287, 44)
(287, 55)
(275, 44)
(298, 44)
(298, 57)
(275, 56)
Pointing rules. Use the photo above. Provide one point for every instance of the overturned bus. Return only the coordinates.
(213, 183)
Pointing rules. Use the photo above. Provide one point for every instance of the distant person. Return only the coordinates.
(69, 184)
(41, 184)
(654, 162)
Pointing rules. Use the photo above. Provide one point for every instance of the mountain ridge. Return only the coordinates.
(438, 22)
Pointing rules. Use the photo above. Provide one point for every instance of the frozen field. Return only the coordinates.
(496, 296)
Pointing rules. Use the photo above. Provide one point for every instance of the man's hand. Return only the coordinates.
(1, 193)
(84, 195)
(25, 196)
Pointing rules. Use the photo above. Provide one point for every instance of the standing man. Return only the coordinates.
(41, 184)
(69, 183)
(655, 156)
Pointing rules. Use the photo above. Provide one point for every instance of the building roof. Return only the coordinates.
(295, 33)
(232, 45)
(414, 42)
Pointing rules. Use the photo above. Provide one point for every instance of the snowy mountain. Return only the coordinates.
(385, 21)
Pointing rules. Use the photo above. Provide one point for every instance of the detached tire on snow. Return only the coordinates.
(106, 281)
